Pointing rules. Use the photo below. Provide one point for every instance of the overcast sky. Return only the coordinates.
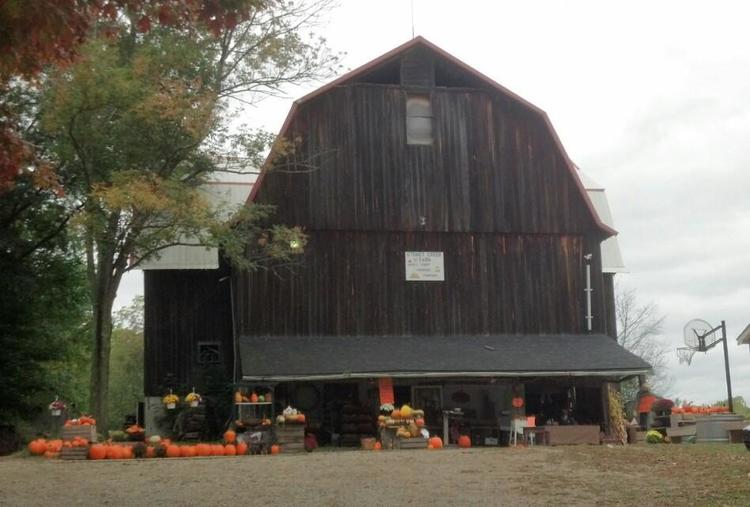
(650, 99)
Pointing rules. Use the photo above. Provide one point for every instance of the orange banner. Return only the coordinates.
(386, 390)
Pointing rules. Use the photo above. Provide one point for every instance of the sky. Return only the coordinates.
(650, 99)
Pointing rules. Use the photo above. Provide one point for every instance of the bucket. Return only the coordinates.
(715, 428)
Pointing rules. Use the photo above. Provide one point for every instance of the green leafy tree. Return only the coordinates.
(136, 126)
(43, 305)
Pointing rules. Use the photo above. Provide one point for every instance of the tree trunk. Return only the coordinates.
(102, 335)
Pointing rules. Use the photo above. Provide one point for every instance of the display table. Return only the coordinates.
(574, 434)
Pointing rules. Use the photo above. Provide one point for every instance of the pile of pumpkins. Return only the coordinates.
(164, 448)
(290, 415)
(410, 422)
(46, 448)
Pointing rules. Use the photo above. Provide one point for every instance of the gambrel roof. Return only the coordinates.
(470, 74)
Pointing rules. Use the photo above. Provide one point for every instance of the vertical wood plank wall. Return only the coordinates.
(493, 193)
(184, 307)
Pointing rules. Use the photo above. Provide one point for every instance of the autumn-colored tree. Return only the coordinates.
(136, 125)
(41, 33)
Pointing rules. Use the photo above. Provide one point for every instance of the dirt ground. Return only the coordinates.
(640, 475)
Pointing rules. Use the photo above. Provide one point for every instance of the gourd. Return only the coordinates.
(464, 441)
(413, 430)
(396, 414)
(405, 411)
(254, 398)
(419, 422)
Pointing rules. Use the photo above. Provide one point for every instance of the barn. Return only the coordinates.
(456, 261)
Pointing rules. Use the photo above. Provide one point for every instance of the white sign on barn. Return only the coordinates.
(424, 267)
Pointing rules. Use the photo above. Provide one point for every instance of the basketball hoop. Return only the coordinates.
(685, 355)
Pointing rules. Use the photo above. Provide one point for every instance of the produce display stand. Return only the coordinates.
(74, 453)
(291, 437)
(83, 431)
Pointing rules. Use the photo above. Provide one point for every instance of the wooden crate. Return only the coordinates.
(290, 434)
(74, 453)
(87, 432)
(411, 443)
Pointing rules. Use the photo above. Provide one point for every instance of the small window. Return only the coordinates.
(418, 119)
(209, 352)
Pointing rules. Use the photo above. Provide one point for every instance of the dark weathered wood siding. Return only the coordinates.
(493, 167)
(354, 283)
(184, 307)
(493, 193)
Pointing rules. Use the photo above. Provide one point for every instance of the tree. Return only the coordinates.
(135, 126)
(50, 32)
(638, 329)
(43, 305)
(126, 381)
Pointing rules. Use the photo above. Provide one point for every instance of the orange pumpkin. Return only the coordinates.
(275, 449)
(230, 436)
(241, 448)
(203, 450)
(419, 422)
(377, 447)
(150, 452)
(38, 447)
(217, 450)
(97, 451)
(126, 452)
(230, 450)
(301, 418)
(436, 443)
(185, 451)
(50, 454)
(396, 414)
(114, 452)
(464, 441)
(173, 451)
(254, 398)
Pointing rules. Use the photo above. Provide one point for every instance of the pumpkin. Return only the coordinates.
(405, 411)
(377, 447)
(50, 454)
(217, 450)
(38, 447)
(436, 443)
(113, 452)
(97, 451)
(464, 441)
(230, 450)
(185, 451)
(230, 436)
(430, 446)
(419, 422)
(173, 451)
(275, 449)
(254, 398)
(68, 444)
(241, 448)
(301, 418)
(203, 450)
(150, 452)
(396, 414)
(126, 452)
